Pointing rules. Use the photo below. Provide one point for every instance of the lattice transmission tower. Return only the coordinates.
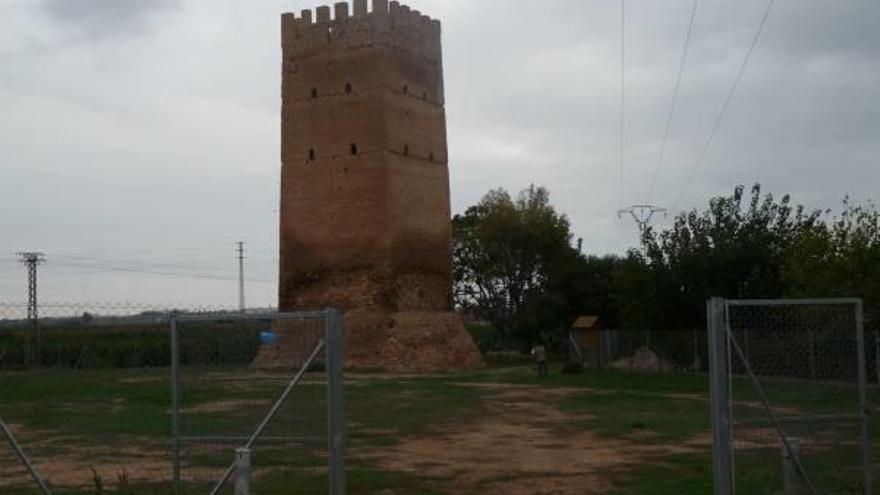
(31, 261)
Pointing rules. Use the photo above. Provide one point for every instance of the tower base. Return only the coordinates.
(400, 342)
(409, 342)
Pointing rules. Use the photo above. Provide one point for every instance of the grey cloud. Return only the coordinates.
(181, 136)
(101, 18)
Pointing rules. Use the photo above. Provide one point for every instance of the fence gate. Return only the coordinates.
(789, 397)
(257, 400)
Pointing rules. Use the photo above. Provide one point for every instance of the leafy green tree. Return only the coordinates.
(839, 258)
(507, 254)
(736, 249)
(515, 267)
(634, 294)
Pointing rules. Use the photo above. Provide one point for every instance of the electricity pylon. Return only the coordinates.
(642, 215)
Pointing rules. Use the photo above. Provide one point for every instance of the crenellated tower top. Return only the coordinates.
(388, 23)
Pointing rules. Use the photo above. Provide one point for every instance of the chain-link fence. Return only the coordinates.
(790, 397)
(17, 464)
(639, 350)
(85, 393)
(90, 336)
(277, 392)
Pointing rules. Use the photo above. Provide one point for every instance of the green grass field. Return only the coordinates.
(500, 430)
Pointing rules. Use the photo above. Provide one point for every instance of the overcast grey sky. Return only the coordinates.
(143, 136)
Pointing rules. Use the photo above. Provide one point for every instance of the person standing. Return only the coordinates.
(540, 354)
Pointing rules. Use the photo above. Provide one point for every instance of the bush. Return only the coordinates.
(132, 346)
(484, 335)
(572, 369)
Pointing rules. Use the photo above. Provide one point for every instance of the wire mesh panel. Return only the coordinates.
(660, 350)
(795, 400)
(83, 389)
(270, 383)
(17, 470)
(655, 350)
(85, 337)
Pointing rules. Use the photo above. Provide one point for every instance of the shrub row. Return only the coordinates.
(129, 346)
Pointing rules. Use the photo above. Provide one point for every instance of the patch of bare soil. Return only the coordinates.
(72, 468)
(137, 464)
(225, 406)
(522, 446)
(143, 379)
(760, 406)
(64, 463)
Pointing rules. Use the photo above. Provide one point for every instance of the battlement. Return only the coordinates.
(387, 23)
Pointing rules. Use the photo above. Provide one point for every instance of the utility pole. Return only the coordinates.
(642, 214)
(241, 303)
(31, 261)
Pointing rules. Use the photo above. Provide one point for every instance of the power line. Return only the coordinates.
(137, 263)
(622, 92)
(76, 268)
(106, 268)
(675, 92)
(726, 105)
(150, 256)
(72, 271)
(159, 252)
(150, 265)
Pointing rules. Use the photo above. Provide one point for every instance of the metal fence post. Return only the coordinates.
(175, 407)
(243, 471)
(335, 402)
(32, 470)
(877, 354)
(792, 481)
(863, 400)
(720, 396)
(811, 341)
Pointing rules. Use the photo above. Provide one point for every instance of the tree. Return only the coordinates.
(515, 267)
(735, 249)
(506, 255)
(839, 258)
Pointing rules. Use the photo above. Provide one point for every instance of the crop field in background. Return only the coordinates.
(498, 431)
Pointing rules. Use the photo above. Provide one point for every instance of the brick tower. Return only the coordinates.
(365, 215)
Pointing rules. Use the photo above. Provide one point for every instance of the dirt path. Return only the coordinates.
(522, 446)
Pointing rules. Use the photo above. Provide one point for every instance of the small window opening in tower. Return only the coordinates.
(431, 156)
(348, 88)
(406, 150)
(311, 153)
(314, 92)
(406, 89)
(354, 149)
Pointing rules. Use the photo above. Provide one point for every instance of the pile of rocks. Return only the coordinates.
(643, 359)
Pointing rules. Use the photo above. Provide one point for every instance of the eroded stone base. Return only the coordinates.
(401, 342)
(409, 342)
